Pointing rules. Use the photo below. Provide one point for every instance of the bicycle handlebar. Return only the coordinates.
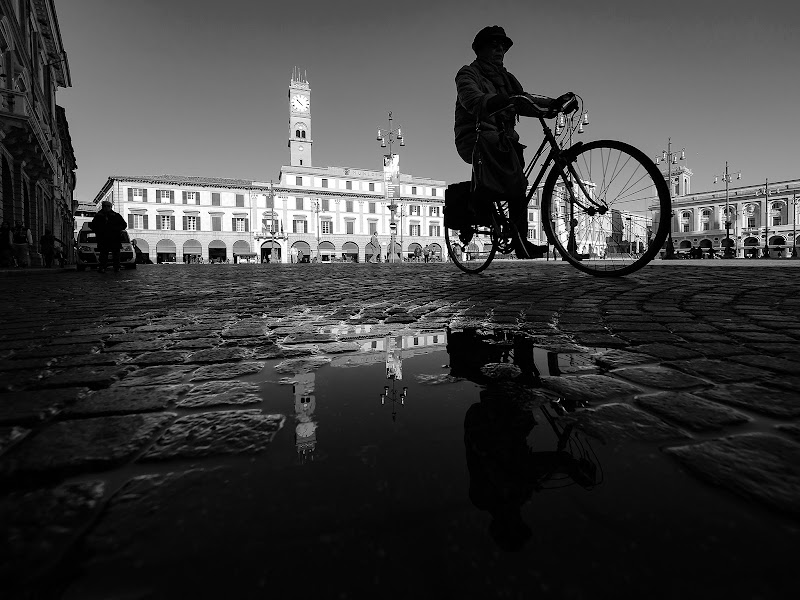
(547, 108)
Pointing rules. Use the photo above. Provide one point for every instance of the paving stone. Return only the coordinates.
(93, 377)
(10, 435)
(159, 375)
(611, 359)
(162, 357)
(705, 337)
(500, 371)
(646, 337)
(717, 350)
(40, 363)
(618, 422)
(773, 363)
(628, 326)
(756, 397)
(48, 351)
(35, 406)
(85, 360)
(771, 337)
(39, 525)
(691, 411)
(83, 445)
(157, 328)
(308, 337)
(226, 371)
(214, 393)
(720, 371)
(758, 466)
(339, 347)
(245, 330)
(120, 400)
(194, 334)
(142, 346)
(591, 388)
(659, 377)
(197, 343)
(216, 433)
(668, 351)
(218, 355)
(306, 364)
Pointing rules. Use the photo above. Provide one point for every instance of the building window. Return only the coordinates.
(371, 207)
(531, 234)
(413, 209)
(240, 200)
(413, 230)
(191, 224)
(298, 181)
(433, 191)
(685, 228)
(138, 221)
(215, 201)
(216, 223)
(165, 221)
(434, 211)
(326, 227)
(434, 230)
(776, 221)
(371, 187)
(137, 193)
(166, 196)
(270, 225)
(348, 185)
(350, 227)
(324, 183)
(348, 206)
(531, 217)
(299, 226)
(192, 198)
(751, 222)
(326, 204)
(373, 227)
(705, 226)
(413, 189)
(240, 224)
(298, 203)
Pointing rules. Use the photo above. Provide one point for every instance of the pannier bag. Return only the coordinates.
(463, 207)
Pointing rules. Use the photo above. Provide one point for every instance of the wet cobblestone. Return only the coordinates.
(684, 353)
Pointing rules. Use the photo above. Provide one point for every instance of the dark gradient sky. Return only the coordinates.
(199, 87)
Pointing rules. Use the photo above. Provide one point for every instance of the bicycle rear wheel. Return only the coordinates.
(471, 253)
(624, 222)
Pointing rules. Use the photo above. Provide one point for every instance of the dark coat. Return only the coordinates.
(107, 227)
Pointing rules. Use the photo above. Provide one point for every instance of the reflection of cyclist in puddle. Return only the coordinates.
(504, 471)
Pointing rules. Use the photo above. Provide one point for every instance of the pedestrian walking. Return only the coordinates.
(48, 245)
(6, 245)
(426, 252)
(107, 226)
(22, 242)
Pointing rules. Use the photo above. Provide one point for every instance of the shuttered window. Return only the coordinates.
(240, 200)
(215, 201)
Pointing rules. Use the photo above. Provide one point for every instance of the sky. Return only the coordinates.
(200, 87)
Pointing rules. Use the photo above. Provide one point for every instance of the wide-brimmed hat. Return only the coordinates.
(491, 33)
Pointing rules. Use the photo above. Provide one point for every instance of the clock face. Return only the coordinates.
(299, 148)
(300, 103)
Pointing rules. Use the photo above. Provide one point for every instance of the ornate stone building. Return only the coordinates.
(37, 170)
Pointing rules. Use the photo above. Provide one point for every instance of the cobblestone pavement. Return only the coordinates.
(103, 373)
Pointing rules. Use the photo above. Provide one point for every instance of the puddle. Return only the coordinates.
(432, 464)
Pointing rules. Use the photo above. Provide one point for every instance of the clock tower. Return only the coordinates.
(299, 120)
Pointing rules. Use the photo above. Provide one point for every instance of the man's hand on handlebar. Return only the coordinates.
(528, 105)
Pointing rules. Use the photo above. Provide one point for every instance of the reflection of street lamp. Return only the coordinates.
(728, 253)
(391, 393)
(391, 136)
(672, 159)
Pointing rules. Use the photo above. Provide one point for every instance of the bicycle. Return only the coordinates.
(594, 195)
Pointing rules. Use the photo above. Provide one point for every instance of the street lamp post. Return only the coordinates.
(316, 225)
(728, 252)
(794, 225)
(766, 219)
(672, 159)
(391, 136)
(391, 394)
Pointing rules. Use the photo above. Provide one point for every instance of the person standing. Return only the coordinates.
(48, 245)
(6, 245)
(426, 252)
(107, 226)
(22, 242)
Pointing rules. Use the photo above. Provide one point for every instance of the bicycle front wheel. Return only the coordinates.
(624, 221)
(471, 250)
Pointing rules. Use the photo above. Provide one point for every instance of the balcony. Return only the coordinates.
(27, 137)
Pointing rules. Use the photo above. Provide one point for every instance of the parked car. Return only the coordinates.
(88, 257)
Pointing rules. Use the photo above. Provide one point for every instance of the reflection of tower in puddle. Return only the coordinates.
(305, 402)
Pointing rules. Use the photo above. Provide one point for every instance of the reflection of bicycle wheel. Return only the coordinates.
(624, 222)
(471, 253)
